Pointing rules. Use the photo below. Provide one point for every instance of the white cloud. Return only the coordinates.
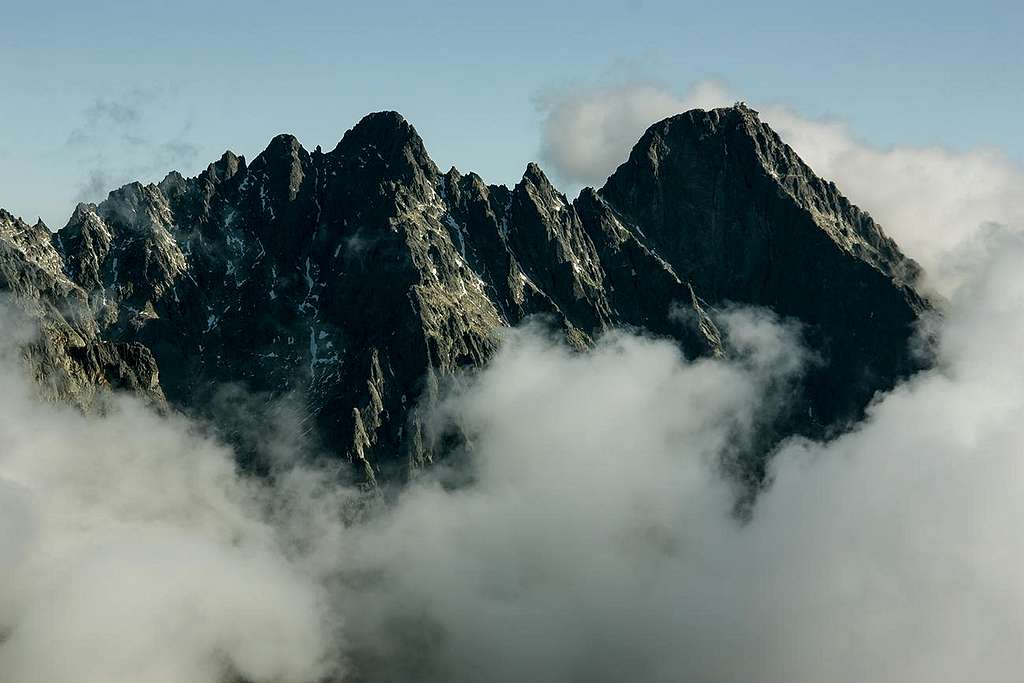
(589, 130)
(133, 551)
(932, 201)
(596, 496)
(597, 541)
(590, 536)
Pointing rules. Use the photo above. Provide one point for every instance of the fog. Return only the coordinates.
(131, 550)
(597, 542)
(586, 533)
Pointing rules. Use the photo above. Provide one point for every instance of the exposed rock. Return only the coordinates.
(65, 355)
(737, 214)
(360, 278)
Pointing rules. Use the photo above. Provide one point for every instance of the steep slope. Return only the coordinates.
(355, 280)
(65, 354)
(739, 215)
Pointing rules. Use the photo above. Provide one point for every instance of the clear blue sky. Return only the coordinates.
(96, 93)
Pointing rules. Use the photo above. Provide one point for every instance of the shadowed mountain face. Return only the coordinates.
(359, 278)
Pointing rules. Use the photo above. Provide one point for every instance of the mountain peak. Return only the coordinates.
(704, 122)
(534, 174)
(386, 142)
(83, 210)
(353, 275)
(383, 129)
(283, 146)
(699, 149)
(386, 118)
(228, 165)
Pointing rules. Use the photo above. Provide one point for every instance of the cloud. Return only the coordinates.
(103, 114)
(930, 200)
(597, 543)
(892, 552)
(121, 139)
(587, 532)
(595, 480)
(132, 550)
(96, 184)
(588, 130)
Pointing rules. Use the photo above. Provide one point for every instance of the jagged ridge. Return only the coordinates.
(359, 278)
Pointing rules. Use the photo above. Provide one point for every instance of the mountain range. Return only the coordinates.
(355, 282)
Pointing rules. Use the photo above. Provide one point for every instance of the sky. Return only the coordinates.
(101, 93)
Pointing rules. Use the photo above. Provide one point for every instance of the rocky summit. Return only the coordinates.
(360, 278)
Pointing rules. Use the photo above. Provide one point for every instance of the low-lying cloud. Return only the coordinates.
(132, 550)
(588, 531)
(592, 536)
(597, 541)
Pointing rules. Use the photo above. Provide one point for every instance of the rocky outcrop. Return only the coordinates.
(356, 280)
(723, 199)
(64, 351)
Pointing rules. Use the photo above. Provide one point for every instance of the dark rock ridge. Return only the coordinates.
(359, 278)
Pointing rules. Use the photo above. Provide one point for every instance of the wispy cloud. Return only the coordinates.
(119, 139)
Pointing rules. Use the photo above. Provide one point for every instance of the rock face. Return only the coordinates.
(739, 215)
(356, 279)
(68, 358)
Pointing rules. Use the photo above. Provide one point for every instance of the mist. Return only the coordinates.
(597, 542)
(132, 550)
(586, 532)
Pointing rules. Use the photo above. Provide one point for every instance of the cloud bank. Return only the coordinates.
(131, 550)
(587, 531)
(597, 542)
(589, 534)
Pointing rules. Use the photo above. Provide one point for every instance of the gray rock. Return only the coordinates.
(359, 279)
(66, 355)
